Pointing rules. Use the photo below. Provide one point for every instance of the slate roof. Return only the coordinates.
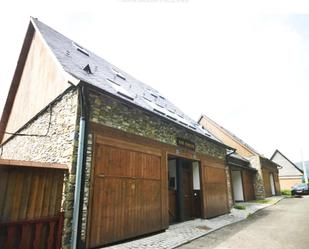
(92, 69)
(288, 167)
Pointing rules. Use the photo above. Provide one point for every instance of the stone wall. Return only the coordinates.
(86, 188)
(58, 144)
(109, 112)
(258, 178)
(56, 130)
(229, 187)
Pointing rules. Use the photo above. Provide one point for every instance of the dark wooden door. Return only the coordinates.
(215, 197)
(126, 199)
(248, 185)
(187, 185)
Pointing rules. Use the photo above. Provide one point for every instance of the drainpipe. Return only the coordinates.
(79, 171)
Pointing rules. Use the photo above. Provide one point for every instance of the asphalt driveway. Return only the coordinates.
(282, 226)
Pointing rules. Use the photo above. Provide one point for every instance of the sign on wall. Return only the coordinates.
(185, 143)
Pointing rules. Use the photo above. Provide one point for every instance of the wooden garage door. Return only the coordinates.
(266, 181)
(247, 177)
(126, 198)
(214, 189)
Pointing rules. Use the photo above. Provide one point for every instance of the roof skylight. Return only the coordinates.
(118, 74)
(80, 49)
(120, 90)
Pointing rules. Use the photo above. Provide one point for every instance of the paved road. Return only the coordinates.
(282, 226)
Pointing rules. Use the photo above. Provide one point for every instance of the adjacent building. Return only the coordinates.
(136, 163)
(265, 180)
(289, 173)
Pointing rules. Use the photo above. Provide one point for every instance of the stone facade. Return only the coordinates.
(109, 112)
(86, 188)
(56, 130)
(58, 123)
(229, 187)
(61, 142)
(258, 178)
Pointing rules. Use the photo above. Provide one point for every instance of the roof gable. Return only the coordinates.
(90, 68)
(204, 120)
(288, 167)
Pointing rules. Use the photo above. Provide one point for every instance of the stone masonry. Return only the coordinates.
(229, 187)
(61, 142)
(258, 181)
(58, 123)
(109, 112)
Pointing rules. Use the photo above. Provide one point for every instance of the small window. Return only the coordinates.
(118, 74)
(80, 49)
(114, 82)
(120, 90)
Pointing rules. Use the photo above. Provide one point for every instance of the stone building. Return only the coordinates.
(136, 162)
(265, 180)
(289, 173)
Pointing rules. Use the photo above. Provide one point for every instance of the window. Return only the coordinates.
(118, 74)
(80, 49)
(120, 90)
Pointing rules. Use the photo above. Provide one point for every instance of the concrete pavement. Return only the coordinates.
(283, 226)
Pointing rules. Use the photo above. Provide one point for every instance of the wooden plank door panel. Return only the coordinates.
(187, 191)
(248, 185)
(214, 186)
(126, 198)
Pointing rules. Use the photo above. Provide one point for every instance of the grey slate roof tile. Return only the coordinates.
(74, 58)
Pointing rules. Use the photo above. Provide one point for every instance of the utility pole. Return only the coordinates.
(304, 167)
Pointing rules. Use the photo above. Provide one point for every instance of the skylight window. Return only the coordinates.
(120, 90)
(157, 108)
(183, 121)
(80, 49)
(148, 99)
(114, 82)
(118, 74)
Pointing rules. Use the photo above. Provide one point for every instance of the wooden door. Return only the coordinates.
(126, 199)
(266, 181)
(187, 186)
(214, 186)
(247, 177)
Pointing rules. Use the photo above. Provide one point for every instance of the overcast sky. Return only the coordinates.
(242, 63)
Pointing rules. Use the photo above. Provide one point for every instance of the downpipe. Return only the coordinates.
(79, 172)
(79, 166)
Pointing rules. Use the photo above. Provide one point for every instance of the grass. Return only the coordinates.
(264, 201)
(286, 192)
(240, 207)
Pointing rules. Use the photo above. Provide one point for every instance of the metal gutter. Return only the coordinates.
(81, 158)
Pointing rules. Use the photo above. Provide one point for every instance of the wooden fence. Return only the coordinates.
(32, 234)
(30, 204)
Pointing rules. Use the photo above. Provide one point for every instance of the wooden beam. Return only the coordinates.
(19, 163)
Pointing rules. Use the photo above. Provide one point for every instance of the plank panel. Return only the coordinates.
(214, 186)
(29, 193)
(126, 195)
(247, 178)
(266, 181)
(41, 82)
(4, 177)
